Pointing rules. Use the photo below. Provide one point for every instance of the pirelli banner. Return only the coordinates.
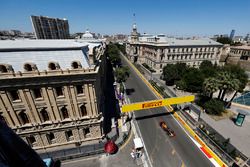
(156, 103)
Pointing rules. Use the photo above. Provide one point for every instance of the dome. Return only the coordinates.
(87, 35)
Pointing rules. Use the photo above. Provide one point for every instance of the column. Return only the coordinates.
(69, 102)
(89, 100)
(74, 101)
(9, 107)
(49, 105)
(27, 107)
(52, 100)
(6, 114)
(32, 105)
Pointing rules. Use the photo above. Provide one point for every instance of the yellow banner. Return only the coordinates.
(156, 103)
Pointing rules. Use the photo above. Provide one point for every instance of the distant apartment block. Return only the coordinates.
(50, 28)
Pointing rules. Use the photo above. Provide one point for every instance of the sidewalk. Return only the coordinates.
(239, 136)
(121, 158)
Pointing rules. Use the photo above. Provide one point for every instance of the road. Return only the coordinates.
(163, 151)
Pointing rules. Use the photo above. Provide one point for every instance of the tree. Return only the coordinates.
(214, 106)
(170, 74)
(113, 54)
(239, 74)
(122, 74)
(224, 40)
(210, 85)
(206, 64)
(173, 72)
(193, 80)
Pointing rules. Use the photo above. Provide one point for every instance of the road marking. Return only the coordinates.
(126, 142)
(216, 158)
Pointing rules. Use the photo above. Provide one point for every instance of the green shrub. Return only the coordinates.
(214, 107)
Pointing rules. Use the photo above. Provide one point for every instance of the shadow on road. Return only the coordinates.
(154, 115)
(130, 91)
(110, 100)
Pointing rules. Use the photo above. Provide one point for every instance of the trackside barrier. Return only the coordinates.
(205, 148)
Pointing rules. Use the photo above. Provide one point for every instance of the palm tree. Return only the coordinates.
(224, 78)
(210, 85)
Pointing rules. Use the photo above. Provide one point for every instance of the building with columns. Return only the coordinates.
(239, 55)
(51, 90)
(159, 50)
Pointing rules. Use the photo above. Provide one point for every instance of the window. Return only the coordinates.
(44, 115)
(31, 140)
(79, 89)
(69, 135)
(64, 113)
(14, 95)
(83, 110)
(37, 93)
(50, 137)
(23, 118)
(3, 69)
(52, 66)
(75, 65)
(59, 91)
(86, 132)
(28, 67)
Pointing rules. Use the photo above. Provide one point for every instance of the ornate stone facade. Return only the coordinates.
(239, 55)
(55, 106)
(159, 50)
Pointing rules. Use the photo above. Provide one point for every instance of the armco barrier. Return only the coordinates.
(205, 148)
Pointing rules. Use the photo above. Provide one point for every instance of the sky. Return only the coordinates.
(170, 17)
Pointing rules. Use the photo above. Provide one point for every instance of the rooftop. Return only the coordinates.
(39, 44)
(244, 47)
(17, 53)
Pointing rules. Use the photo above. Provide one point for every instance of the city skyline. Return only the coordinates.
(179, 18)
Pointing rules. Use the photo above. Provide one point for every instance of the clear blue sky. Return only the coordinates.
(171, 17)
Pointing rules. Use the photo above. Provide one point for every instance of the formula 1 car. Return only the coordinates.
(169, 131)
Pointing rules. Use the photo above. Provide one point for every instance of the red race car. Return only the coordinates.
(169, 131)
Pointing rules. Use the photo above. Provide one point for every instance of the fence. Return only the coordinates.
(221, 146)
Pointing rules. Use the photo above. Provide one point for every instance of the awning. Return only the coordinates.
(138, 143)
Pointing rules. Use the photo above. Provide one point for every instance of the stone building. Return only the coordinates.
(159, 50)
(51, 91)
(239, 55)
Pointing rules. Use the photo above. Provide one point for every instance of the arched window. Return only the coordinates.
(83, 111)
(45, 115)
(23, 118)
(64, 113)
(53, 66)
(28, 67)
(76, 65)
(3, 69)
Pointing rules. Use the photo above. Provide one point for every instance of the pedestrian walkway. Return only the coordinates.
(121, 158)
(239, 136)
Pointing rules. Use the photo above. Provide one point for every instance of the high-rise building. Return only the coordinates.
(50, 28)
(232, 34)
